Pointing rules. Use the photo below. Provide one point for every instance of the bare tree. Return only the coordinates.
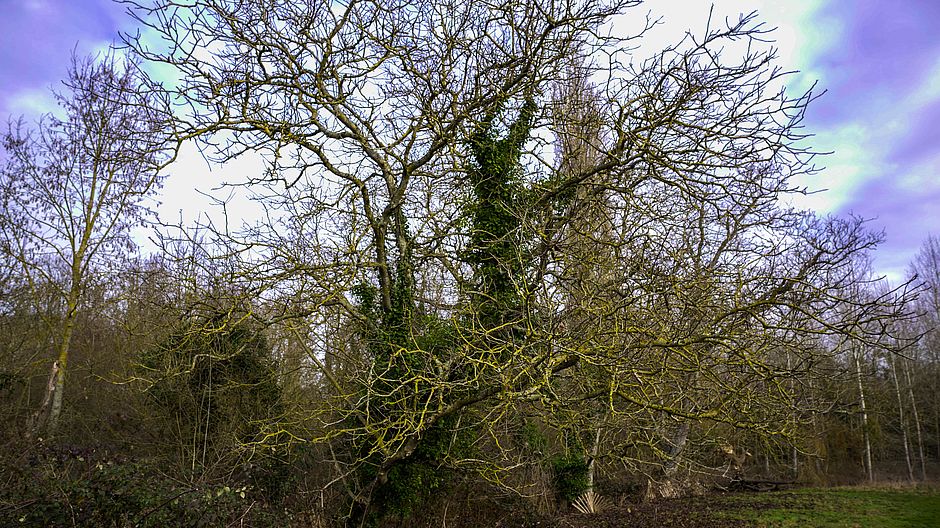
(74, 187)
(925, 268)
(412, 192)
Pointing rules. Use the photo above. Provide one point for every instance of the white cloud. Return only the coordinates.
(191, 178)
(36, 5)
(844, 171)
(921, 177)
(928, 90)
(31, 103)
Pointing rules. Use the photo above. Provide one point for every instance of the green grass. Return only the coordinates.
(839, 507)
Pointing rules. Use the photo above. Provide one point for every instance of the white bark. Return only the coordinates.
(794, 455)
(917, 424)
(57, 397)
(861, 397)
(897, 392)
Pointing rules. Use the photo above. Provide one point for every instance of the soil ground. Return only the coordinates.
(692, 512)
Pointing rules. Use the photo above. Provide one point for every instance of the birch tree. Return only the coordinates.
(866, 459)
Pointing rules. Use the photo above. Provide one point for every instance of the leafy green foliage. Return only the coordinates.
(495, 234)
(533, 438)
(9, 383)
(570, 475)
(415, 480)
(403, 343)
(400, 342)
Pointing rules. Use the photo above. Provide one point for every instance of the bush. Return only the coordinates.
(78, 487)
(215, 382)
(570, 475)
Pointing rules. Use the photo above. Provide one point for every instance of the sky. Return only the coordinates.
(878, 62)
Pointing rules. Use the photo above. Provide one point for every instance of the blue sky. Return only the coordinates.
(879, 62)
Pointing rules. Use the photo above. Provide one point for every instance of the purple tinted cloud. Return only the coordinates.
(921, 138)
(884, 48)
(38, 36)
(907, 215)
(882, 57)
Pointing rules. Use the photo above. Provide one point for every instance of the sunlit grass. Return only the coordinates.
(840, 507)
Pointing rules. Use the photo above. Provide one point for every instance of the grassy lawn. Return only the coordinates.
(839, 507)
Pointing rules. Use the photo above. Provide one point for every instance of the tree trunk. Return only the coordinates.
(41, 421)
(39, 417)
(917, 426)
(794, 455)
(936, 421)
(897, 392)
(678, 445)
(795, 460)
(818, 436)
(668, 487)
(861, 397)
(594, 451)
(56, 410)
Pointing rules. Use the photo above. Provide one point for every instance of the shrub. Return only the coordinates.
(79, 487)
(570, 475)
(214, 380)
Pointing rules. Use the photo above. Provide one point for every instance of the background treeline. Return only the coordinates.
(500, 265)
